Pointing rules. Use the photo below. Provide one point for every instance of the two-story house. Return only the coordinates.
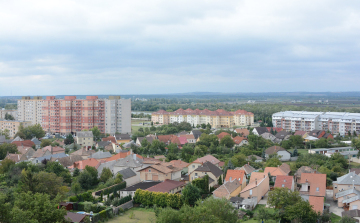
(85, 139)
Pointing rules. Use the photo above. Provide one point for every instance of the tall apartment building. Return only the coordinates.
(72, 115)
(12, 112)
(12, 126)
(30, 109)
(335, 122)
(218, 118)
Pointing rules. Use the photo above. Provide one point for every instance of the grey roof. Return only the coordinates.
(261, 130)
(69, 160)
(148, 138)
(48, 157)
(231, 186)
(101, 155)
(282, 134)
(209, 167)
(2, 139)
(267, 135)
(103, 143)
(128, 145)
(236, 199)
(17, 138)
(36, 141)
(347, 192)
(196, 133)
(349, 178)
(109, 165)
(356, 170)
(351, 199)
(84, 134)
(129, 161)
(122, 136)
(142, 185)
(127, 173)
(247, 168)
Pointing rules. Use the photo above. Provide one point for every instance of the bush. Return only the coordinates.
(87, 196)
(88, 206)
(117, 202)
(112, 189)
(147, 198)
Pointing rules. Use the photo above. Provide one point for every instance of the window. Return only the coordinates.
(149, 170)
(230, 179)
(317, 189)
(196, 174)
(250, 192)
(283, 185)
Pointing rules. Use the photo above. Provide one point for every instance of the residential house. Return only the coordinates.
(244, 203)
(281, 152)
(27, 143)
(257, 188)
(356, 170)
(102, 144)
(182, 140)
(348, 199)
(83, 163)
(303, 169)
(160, 171)
(228, 189)
(346, 182)
(16, 157)
(328, 136)
(109, 165)
(283, 135)
(2, 139)
(303, 134)
(141, 185)
(240, 141)
(310, 138)
(274, 129)
(109, 139)
(317, 133)
(273, 172)
(75, 217)
(268, 136)
(247, 168)
(222, 135)
(121, 155)
(122, 138)
(196, 134)
(285, 182)
(179, 164)
(131, 161)
(48, 157)
(198, 162)
(209, 169)
(242, 132)
(164, 138)
(83, 153)
(68, 160)
(148, 138)
(221, 164)
(259, 130)
(27, 151)
(313, 189)
(129, 176)
(257, 175)
(238, 175)
(255, 158)
(85, 139)
(189, 137)
(100, 155)
(40, 153)
(36, 142)
(54, 150)
(168, 186)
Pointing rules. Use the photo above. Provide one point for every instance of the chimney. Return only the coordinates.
(248, 163)
(255, 181)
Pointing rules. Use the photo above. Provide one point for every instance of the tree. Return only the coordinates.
(45, 142)
(227, 141)
(76, 188)
(7, 148)
(171, 156)
(76, 172)
(49, 183)
(220, 181)
(263, 214)
(273, 162)
(96, 133)
(239, 160)
(118, 178)
(191, 194)
(69, 139)
(208, 126)
(30, 131)
(85, 180)
(9, 117)
(347, 219)
(301, 211)
(203, 126)
(5, 133)
(280, 198)
(105, 175)
(321, 143)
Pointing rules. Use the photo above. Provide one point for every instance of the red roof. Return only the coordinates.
(238, 139)
(274, 129)
(109, 138)
(83, 163)
(218, 112)
(299, 133)
(235, 174)
(287, 181)
(316, 181)
(222, 135)
(221, 164)
(164, 138)
(27, 143)
(183, 140)
(166, 186)
(317, 203)
(244, 132)
(118, 156)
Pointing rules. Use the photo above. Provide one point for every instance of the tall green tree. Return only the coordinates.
(106, 174)
(191, 194)
(7, 148)
(69, 139)
(96, 133)
(227, 141)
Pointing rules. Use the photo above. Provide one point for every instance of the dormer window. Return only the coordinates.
(149, 170)
(283, 185)
(230, 179)
(317, 189)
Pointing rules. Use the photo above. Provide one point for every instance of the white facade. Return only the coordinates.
(117, 115)
(336, 122)
(30, 110)
(3, 112)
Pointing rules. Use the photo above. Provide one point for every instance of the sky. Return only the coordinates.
(157, 47)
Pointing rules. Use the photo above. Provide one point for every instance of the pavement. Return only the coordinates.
(333, 204)
(264, 200)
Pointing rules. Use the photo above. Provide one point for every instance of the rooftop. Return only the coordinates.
(166, 186)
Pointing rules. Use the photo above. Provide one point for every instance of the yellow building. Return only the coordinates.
(12, 126)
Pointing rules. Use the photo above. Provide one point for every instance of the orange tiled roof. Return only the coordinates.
(189, 136)
(178, 164)
(118, 156)
(317, 203)
(238, 139)
(287, 181)
(244, 132)
(206, 158)
(164, 138)
(235, 174)
(88, 162)
(256, 176)
(274, 171)
(27, 143)
(222, 135)
(315, 180)
(110, 138)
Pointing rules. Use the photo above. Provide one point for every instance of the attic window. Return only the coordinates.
(283, 185)
(149, 170)
(284, 180)
(317, 189)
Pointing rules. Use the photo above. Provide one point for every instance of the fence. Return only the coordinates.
(125, 206)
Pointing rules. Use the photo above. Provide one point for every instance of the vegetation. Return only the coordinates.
(30, 132)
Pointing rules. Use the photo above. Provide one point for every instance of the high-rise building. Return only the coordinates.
(12, 112)
(70, 114)
(336, 122)
(218, 118)
(12, 126)
(30, 109)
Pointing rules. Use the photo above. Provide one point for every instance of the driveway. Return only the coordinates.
(333, 204)
(264, 200)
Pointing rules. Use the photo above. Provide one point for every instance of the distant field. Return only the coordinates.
(140, 215)
(135, 124)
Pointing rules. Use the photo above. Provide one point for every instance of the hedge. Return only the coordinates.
(148, 198)
(111, 189)
(87, 196)
(117, 202)
(88, 206)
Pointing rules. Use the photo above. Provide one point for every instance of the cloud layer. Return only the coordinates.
(158, 46)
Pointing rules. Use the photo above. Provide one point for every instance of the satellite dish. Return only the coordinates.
(91, 213)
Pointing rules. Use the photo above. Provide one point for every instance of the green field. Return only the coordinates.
(300, 151)
(135, 125)
(140, 215)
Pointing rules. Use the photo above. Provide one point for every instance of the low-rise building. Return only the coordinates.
(281, 152)
(240, 141)
(198, 162)
(168, 186)
(122, 138)
(160, 171)
(303, 169)
(83, 163)
(141, 185)
(83, 153)
(228, 189)
(209, 169)
(129, 176)
(85, 139)
(313, 189)
(257, 188)
(285, 182)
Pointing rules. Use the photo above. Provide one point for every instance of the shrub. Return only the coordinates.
(147, 198)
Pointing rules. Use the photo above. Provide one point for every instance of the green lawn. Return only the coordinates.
(140, 215)
(334, 218)
(135, 125)
(300, 151)
(354, 165)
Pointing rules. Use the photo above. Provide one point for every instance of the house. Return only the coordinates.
(196, 133)
(257, 159)
(160, 171)
(190, 138)
(110, 139)
(83, 163)
(168, 186)
(222, 135)
(68, 205)
(83, 153)
(247, 168)
(317, 133)
(303, 169)
(198, 162)
(209, 169)
(183, 166)
(347, 199)
(26, 143)
(75, 217)
(85, 139)
(129, 176)
(148, 138)
(348, 181)
(221, 164)
(259, 130)
(16, 157)
(257, 188)
(356, 170)
(27, 151)
(285, 181)
(67, 161)
(2, 139)
(283, 135)
(36, 142)
(122, 138)
(141, 185)
(182, 140)
(257, 175)
(228, 189)
(273, 172)
(240, 141)
(328, 136)
(244, 203)
(102, 144)
(131, 161)
(48, 157)
(268, 136)
(54, 150)
(242, 132)
(164, 138)
(281, 152)
(313, 189)
(239, 175)
(100, 155)
(310, 138)
(303, 134)
(40, 153)
(274, 129)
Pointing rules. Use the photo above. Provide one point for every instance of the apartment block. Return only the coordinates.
(3, 112)
(218, 118)
(335, 122)
(117, 115)
(12, 126)
(30, 109)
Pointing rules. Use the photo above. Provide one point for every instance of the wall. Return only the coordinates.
(132, 180)
(353, 204)
(285, 156)
(146, 175)
(193, 166)
(125, 206)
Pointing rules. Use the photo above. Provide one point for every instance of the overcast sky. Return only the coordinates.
(161, 46)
